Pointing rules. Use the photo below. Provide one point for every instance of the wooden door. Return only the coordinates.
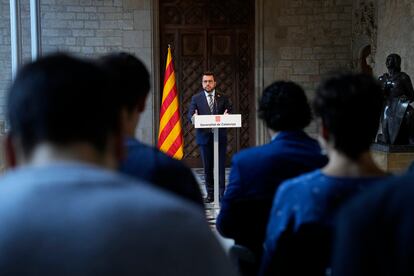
(217, 36)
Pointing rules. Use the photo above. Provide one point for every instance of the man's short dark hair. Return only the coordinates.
(350, 106)
(130, 76)
(209, 73)
(62, 100)
(284, 106)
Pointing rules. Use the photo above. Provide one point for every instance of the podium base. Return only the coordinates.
(393, 158)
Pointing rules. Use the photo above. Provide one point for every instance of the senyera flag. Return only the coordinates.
(170, 135)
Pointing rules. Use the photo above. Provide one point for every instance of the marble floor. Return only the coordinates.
(199, 174)
(211, 212)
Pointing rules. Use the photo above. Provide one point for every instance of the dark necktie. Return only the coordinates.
(211, 102)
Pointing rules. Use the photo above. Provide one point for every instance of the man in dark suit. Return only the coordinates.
(257, 172)
(208, 102)
(64, 211)
(131, 89)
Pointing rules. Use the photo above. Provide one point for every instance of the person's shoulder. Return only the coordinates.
(276, 150)
(393, 192)
(161, 211)
(76, 181)
(165, 161)
(221, 95)
(298, 136)
(404, 76)
(147, 151)
(143, 198)
(251, 154)
(395, 189)
(301, 143)
(143, 152)
(135, 147)
(295, 192)
(198, 94)
(308, 177)
(301, 181)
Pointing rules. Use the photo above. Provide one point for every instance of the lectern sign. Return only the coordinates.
(217, 121)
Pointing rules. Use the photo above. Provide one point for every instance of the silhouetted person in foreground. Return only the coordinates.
(257, 172)
(375, 232)
(63, 212)
(131, 88)
(397, 119)
(298, 239)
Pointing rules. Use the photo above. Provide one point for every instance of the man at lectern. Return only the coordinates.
(209, 102)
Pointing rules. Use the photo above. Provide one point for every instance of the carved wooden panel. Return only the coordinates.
(231, 12)
(246, 95)
(211, 35)
(192, 44)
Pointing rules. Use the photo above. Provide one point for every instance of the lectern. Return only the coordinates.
(215, 122)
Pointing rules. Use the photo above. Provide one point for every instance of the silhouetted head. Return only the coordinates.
(349, 106)
(393, 62)
(284, 106)
(131, 79)
(61, 100)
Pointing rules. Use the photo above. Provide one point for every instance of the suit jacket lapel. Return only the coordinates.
(217, 102)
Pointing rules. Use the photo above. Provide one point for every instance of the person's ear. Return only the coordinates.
(9, 152)
(324, 132)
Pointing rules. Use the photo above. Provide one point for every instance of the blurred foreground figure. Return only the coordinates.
(131, 88)
(63, 212)
(375, 233)
(257, 172)
(298, 239)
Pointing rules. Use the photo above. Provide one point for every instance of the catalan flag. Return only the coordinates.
(170, 136)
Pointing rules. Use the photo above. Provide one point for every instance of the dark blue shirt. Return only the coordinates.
(302, 216)
(255, 175)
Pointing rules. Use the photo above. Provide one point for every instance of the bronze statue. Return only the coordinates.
(397, 120)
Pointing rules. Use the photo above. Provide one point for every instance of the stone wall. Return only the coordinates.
(5, 61)
(306, 39)
(395, 34)
(300, 40)
(86, 28)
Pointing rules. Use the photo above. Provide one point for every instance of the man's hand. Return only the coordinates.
(192, 118)
(225, 112)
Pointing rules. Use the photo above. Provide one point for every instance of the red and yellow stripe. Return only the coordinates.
(170, 135)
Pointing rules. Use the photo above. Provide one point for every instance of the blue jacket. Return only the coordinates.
(299, 232)
(199, 102)
(150, 164)
(375, 231)
(255, 175)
